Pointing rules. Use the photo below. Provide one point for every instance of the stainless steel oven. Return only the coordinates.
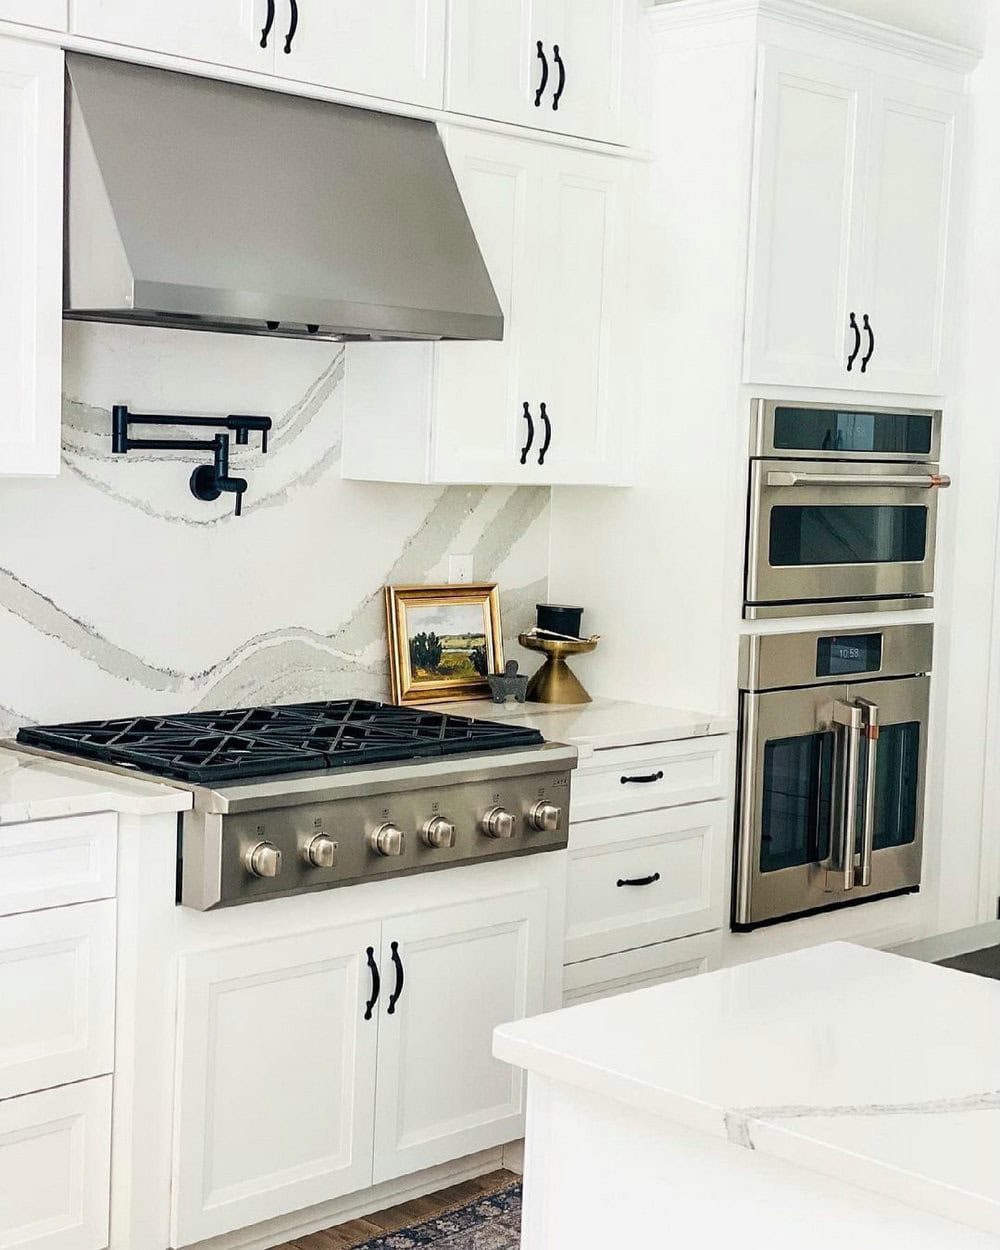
(842, 509)
(833, 745)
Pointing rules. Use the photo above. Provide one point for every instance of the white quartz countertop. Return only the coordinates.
(879, 1070)
(600, 725)
(40, 789)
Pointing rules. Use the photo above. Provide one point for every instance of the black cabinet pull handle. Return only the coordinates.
(376, 983)
(643, 780)
(399, 978)
(871, 344)
(562, 78)
(639, 880)
(548, 434)
(545, 74)
(857, 343)
(294, 25)
(531, 435)
(265, 33)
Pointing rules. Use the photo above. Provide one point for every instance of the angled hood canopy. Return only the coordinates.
(211, 206)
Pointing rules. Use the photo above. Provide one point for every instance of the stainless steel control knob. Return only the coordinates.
(321, 852)
(263, 860)
(545, 817)
(438, 833)
(387, 840)
(498, 823)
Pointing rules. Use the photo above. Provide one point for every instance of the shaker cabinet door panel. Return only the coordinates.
(225, 32)
(31, 211)
(275, 1081)
(48, 13)
(465, 970)
(394, 49)
(587, 82)
(807, 220)
(908, 269)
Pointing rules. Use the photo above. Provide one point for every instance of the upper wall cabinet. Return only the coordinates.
(394, 50)
(48, 13)
(852, 259)
(557, 65)
(31, 155)
(550, 403)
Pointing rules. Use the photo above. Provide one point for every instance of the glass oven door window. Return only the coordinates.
(897, 785)
(831, 534)
(842, 432)
(797, 793)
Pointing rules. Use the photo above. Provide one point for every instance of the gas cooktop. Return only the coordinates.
(207, 747)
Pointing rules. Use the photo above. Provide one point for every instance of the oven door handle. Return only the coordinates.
(849, 718)
(929, 481)
(869, 730)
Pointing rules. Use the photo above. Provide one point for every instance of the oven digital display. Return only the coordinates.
(851, 653)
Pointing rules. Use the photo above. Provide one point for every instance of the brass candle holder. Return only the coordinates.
(554, 682)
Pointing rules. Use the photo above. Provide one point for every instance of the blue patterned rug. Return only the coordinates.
(490, 1223)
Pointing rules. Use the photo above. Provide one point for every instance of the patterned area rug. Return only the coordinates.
(489, 1223)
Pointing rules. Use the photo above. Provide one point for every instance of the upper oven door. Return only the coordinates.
(820, 530)
(821, 431)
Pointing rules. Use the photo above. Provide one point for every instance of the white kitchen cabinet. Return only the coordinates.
(851, 227)
(57, 997)
(50, 863)
(31, 211)
(226, 32)
(394, 49)
(553, 64)
(55, 1164)
(276, 1079)
(640, 968)
(553, 227)
(464, 970)
(48, 13)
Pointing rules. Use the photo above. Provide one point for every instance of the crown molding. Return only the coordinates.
(809, 15)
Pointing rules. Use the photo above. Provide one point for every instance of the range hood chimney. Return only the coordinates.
(206, 205)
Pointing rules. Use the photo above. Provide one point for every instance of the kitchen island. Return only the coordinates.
(833, 1096)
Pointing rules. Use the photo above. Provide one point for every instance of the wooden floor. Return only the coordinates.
(357, 1232)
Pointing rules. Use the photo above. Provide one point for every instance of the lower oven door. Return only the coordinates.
(830, 797)
(820, 531)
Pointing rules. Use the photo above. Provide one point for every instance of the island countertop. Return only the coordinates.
(874, 1069)
(33, 787)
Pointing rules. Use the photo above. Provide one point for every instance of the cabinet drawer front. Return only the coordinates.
(639, 969)
(55, 1168)
(49, 863)
(638, 779)
(57, 997)
(651, 877)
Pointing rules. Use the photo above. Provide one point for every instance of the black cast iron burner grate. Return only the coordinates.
(206, 747)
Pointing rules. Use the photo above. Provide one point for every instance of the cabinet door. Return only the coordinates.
(31, 210)
(479, 428)
(276, 1079)
(591, 53)
(461, 971)
(226, 32)
(394, 49)
(580, 353)
(48, 13)
(908, 269)
(55, 1168)
(807, 220)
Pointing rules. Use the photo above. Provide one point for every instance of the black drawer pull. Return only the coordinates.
(394, 999)
(293, 26)
(531, 435)
(857, 343)
(543, 450)
(640, 880)
(545, 75)
(867, 358)
(562, 78)
(376, 983)
(644, 780)
(266, 32)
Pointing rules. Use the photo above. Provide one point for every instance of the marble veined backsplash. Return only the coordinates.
(121, 594)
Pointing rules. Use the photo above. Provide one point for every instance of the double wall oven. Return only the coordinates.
(842, 512)
(833, 743)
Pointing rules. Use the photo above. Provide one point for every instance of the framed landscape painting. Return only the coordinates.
(443, 640)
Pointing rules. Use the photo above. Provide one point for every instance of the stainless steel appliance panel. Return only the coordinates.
(858, 433)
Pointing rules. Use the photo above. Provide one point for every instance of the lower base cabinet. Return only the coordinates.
(316, 1065)
(55, 1154)
(639, 969)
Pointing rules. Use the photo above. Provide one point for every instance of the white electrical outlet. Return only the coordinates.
(460, 568)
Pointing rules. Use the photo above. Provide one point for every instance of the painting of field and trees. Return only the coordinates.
(443, 640)
(448, 641)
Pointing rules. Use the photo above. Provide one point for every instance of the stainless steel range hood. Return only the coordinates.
(206, 205)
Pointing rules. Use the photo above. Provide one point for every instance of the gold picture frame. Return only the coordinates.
(443, 640)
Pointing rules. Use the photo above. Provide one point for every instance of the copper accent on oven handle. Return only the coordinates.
(869, 731)
(916, 481)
